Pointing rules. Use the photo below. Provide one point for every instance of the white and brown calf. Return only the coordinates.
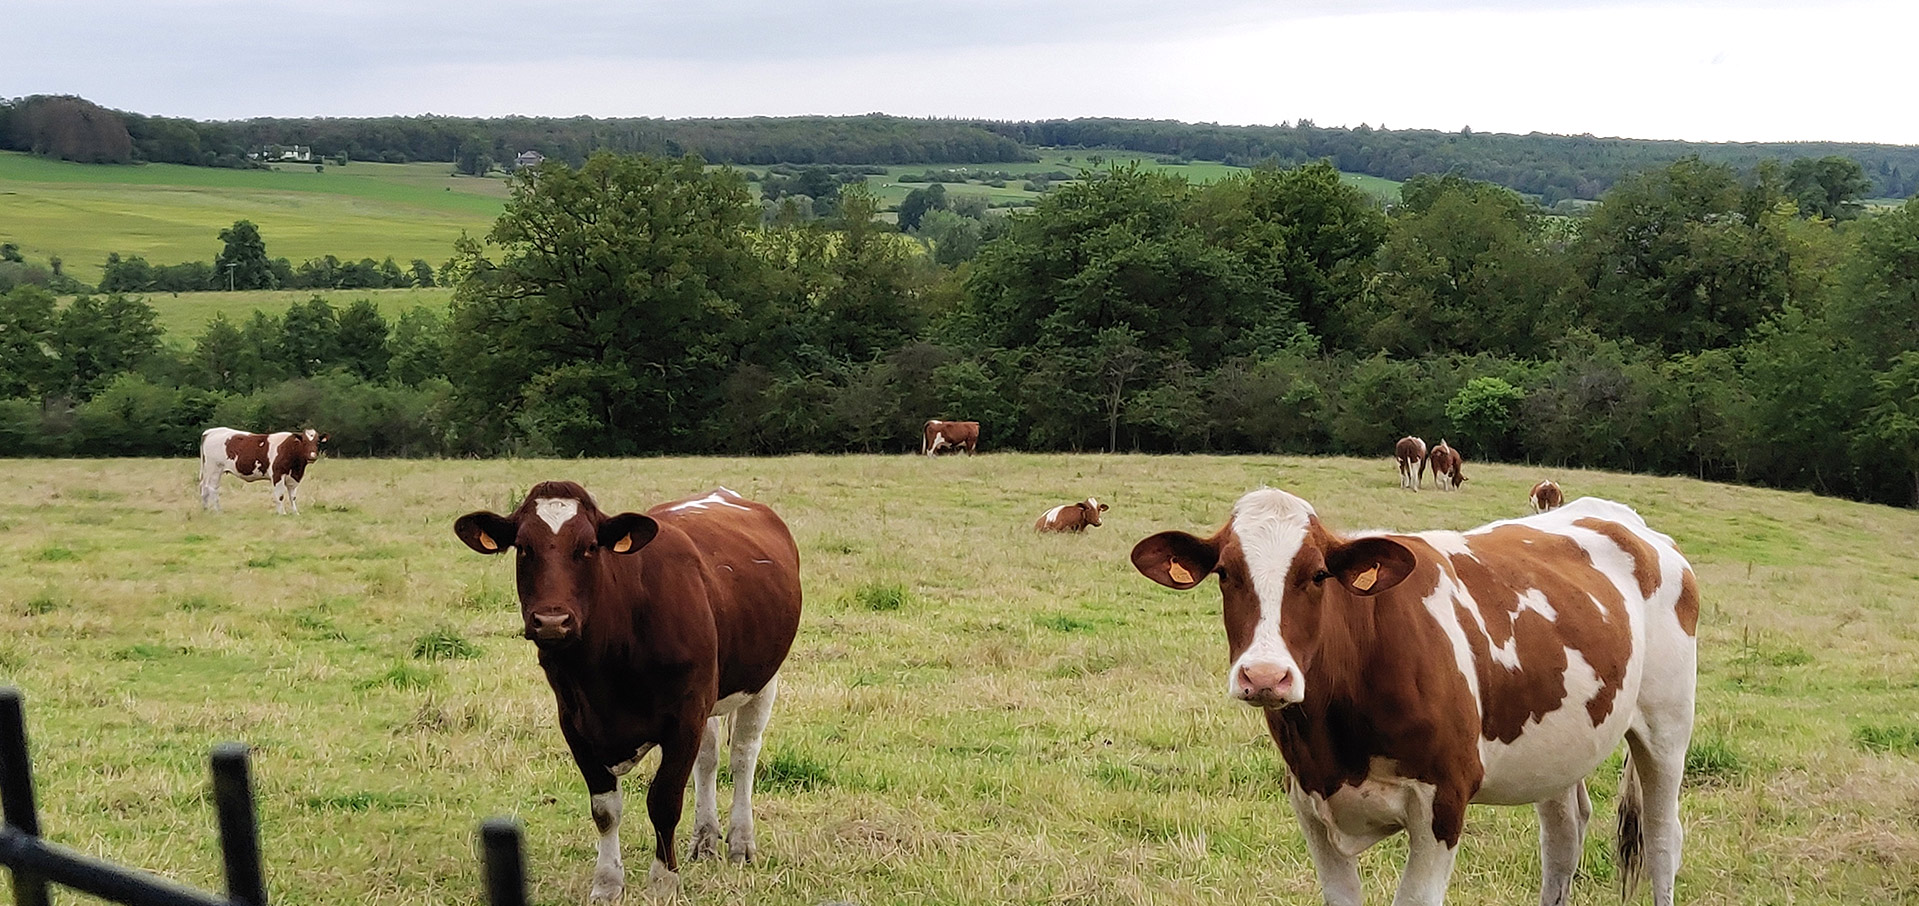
(1070, 517)
(280, 457)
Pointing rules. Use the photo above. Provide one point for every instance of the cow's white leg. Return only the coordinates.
(1338, 872)
(293, 494)
(279, 498)
(210, 486)
(706, 808)
(1659, 758)
(1429, 866)
(609, 874)
(749, 729)
(1562, 834)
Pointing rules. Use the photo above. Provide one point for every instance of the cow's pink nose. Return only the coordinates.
(550, 627)
(1265, 684)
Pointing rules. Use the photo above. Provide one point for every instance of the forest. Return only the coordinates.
(1550, 168)
(1697, 320)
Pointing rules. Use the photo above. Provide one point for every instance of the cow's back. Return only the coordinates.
(751, 567)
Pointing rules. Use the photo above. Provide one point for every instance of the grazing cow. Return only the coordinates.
(1545, 496)
(1445, 462)
(1411, 452)
(280, 457)
(1070, 517)
(1404, 676)
(940, 435)
(650, 628)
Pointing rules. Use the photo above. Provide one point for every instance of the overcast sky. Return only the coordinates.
(1721, 70)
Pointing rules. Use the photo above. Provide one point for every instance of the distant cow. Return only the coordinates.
(1545, 496)
(650, 628)
(950, 435)
(1445, 462)
(280, 457)
(1070, 517)
(1403, 676)
(1411, 453)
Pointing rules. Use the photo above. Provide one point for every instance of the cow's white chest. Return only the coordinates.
(555, 511)
(1356, 817)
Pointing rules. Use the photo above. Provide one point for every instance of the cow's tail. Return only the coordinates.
(1629, 849)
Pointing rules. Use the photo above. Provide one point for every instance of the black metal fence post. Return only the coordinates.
(16, 795)
(505, 865)
(239, 827)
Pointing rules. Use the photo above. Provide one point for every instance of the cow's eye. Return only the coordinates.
(1321, 576)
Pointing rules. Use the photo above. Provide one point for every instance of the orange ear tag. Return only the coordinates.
(623, 545)
(487, 542)
(1364, 581)
(1178, 573)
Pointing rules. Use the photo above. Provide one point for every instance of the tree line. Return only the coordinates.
(1697, 321)
(1550, 168)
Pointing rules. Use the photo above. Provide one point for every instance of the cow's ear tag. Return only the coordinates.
(1364, 581)
(1178, 572)
(487, 542)
(624, 544)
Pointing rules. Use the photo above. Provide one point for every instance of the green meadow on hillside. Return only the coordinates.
(184, 316)
(169, 213)
(971, 714)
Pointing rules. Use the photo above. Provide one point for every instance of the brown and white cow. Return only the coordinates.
(1411, 453)
(939, 435)
(1405, 675)
(280, 457)
(1445, 462)
(650, 628)
(1071, 517)
(1545, 496)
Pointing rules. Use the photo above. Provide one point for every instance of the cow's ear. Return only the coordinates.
(323, 438)
(1175, 559)
(1102, 508)
(627, 532)
(1368, 566)
(488, 533)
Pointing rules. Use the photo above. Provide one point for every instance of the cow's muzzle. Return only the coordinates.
(551, 628)
(1268, 685)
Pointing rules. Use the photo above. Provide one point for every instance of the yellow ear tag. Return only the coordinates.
(1364, 581)
(623, 545)
(487, 542)
(1178, 573)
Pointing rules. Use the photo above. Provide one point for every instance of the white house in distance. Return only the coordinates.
(528, 159)
(292, 154)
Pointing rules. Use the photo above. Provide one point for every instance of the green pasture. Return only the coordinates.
(169, 213)
(972, 714)
(184, 316)
(891, 191)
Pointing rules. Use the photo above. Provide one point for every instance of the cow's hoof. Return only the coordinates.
(662, 883)
(706, 842)
(605, 893)
(740, 848)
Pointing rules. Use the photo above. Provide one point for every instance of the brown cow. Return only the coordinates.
(1070, 517)
(280, 457)
(949, 435)
(1404, 676)
(1411, 452)
(650, 628)
(1445, 462)
(1545, 496)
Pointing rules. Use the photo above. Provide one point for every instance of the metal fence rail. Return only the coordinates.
(37, 865)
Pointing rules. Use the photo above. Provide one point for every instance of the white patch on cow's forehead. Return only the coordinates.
(1271, 527)
(1093, 502)
(555, 511)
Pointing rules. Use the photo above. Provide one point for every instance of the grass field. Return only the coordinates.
(184, 316)
(972, 714)
(170, 213)
(891, 191)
